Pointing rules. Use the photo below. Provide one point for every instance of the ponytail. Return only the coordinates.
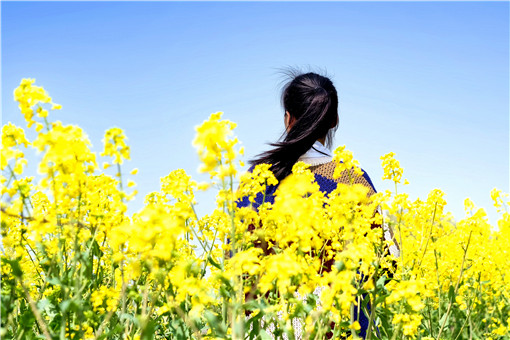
(312, 101)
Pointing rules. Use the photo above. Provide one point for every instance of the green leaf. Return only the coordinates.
(54, 281)
(65, 305)
(384, 315)
(214, 322)
(112, 333)
(451, 294)
(148, 332)
(265, 335)
(380, 282)
(214, 263)
(46, 306)
(27, 319)
(340, 265)
(380, 298)
(178, 331)
(443, 318)
(43, 303)
(96, 249)
(130, 317)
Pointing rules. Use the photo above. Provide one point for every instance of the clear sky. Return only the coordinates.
(427, 80)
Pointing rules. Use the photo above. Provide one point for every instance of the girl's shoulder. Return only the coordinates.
(324, 175)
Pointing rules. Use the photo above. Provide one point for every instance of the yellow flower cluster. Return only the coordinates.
(12, 138)
(28, 96)
(345, 162)
(391, 167)
(308, 265)
(115, 145)
(216, 147)
(408, 293)
(104, 296)
(256, 181)
(66, 149)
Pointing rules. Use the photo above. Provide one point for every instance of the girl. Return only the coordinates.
(310, 103)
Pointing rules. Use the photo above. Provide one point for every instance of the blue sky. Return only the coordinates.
(427, 80)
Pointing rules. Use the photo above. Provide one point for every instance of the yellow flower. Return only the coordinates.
(115, 145)
(179, 186)
(13, 136)
(18, 166)
(345, 162)
(41, 112)
(497, 197)
(408, 291)
(28, 96)
(280, 269)
(216, 146)
(105, 295)
(247, 261)
(408, 322)
(391, 167)
(355, 325)
(468, 205)
(252, 183)
(66, 149)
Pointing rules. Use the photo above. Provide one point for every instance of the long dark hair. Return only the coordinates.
(312, 102)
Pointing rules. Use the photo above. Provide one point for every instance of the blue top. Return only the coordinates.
(323, 176)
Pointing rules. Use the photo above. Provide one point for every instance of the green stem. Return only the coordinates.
(372, 315)
(430, 319)
(456, 286)
(208, 255)
(353, 332)
(193, 230)
(438, 287)
(430, 234)
(119, 174)
(468, 315)
(397, 331)
(401, 248)
(34, 309)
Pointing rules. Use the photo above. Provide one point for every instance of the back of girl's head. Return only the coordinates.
(312, 103)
